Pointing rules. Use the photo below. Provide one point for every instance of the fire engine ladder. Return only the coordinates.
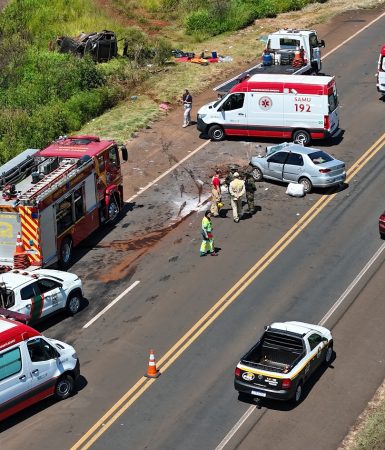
(48, 181)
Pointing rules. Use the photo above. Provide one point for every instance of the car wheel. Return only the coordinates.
(113, 210)
(73, 303)
(216, 133)
(257, 174)
(306, 183)
(65, 256)
(329, 354)
(64, 387)
(298, 393)
(301, 137)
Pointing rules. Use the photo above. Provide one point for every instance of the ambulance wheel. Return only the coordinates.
(257, 174)
(298, 393)
(73, 303)
(306, 183)
(216, 133)
(65, 256)
(301, 137)
(113, 210)
(64, 387)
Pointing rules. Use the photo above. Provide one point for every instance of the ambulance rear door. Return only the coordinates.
(15, 379)
(265, 113)
(304, 111)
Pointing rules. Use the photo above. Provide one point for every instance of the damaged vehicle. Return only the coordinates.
(102, 46)
(294, 163)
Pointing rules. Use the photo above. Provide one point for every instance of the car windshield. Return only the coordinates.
(320, 157)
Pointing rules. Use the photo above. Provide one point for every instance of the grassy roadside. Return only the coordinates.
(244, 46)
(368, 433)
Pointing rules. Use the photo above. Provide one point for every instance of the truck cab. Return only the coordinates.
(289, 40)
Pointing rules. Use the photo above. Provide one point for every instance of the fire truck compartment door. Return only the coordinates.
(90, 192)
(48, 234)
(9, 227)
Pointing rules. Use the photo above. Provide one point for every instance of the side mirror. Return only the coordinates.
(321, 43)
(124, 151)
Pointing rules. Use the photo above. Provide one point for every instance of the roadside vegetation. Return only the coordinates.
(45, 94)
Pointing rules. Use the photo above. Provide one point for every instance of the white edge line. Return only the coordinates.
(110, 305)
(354, 35)
(331, 311)
(352, 285)
(235, 428)
(167, 171)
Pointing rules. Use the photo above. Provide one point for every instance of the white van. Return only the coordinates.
(298, 108)
(381, 71)
(33, 367)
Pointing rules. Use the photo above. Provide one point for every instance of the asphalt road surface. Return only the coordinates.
(291, 261)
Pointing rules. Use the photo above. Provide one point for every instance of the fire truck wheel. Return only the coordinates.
(64, 387)
(216, 133)
(301, 137)
(73, 303)
(65, 253)
(113, 210)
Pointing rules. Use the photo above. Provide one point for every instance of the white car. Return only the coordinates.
(39, 293)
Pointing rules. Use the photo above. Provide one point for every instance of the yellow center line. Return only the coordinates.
(222, 304)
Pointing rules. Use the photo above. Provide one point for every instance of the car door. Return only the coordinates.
(44, 365)
(293, 167)
(233, 111)
(274, 165)
(33, 302)
(53, 295)
(317, 345)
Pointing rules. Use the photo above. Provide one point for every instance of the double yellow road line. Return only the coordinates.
(223, 303)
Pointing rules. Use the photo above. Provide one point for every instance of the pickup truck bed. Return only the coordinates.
(275, 352)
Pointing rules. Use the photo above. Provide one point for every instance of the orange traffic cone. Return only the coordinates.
(152, 372)
(19, 244)
(20, 257)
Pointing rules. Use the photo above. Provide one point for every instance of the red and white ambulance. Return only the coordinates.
(298, 108)
(33, 367)
(381, 71)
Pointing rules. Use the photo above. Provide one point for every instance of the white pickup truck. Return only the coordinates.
(284, 358)
(36, 294)
(282, 46)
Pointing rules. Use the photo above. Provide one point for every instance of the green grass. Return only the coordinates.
(371, 435)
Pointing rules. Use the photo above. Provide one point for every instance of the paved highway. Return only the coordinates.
(292, 261)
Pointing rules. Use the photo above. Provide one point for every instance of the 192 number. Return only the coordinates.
(302, 107)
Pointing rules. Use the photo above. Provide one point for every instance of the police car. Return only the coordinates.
(37, 294)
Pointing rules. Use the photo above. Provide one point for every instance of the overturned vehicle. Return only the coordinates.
(102, 46)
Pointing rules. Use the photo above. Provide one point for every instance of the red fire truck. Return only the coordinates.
(56, 197)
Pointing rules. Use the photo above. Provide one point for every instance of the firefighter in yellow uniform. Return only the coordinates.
(207, 245)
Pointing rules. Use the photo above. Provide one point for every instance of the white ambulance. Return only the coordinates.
(298, 108)
(33, 367)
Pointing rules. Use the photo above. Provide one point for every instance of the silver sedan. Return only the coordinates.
(293, 163)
